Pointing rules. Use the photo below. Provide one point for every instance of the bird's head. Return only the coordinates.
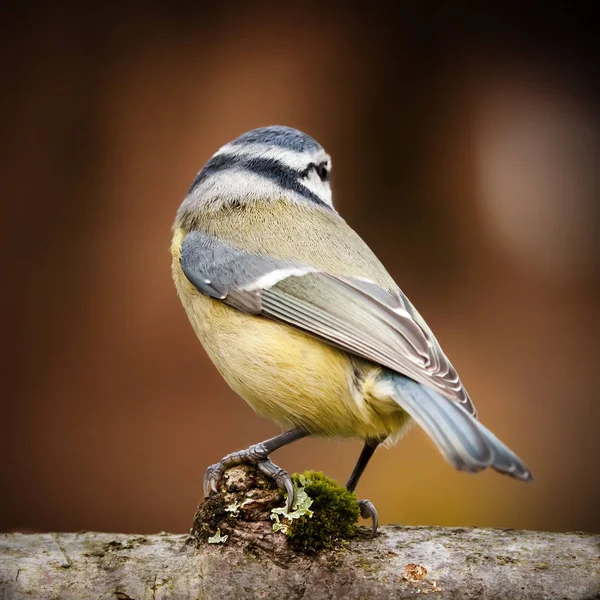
(265, 164)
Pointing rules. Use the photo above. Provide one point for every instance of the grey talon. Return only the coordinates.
(291, 492)
(257, 455)
(368, 511)
(282, 479)
(207, 481)
(212, 478)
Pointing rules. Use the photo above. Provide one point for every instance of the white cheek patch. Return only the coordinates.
(231, 185)
(294, 160)
(237, 182)
(226, 186)
(320, 188)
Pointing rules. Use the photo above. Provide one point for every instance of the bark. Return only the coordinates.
(254, 562)
(459, 563)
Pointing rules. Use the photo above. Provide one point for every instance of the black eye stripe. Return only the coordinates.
(321, 169)
(215, 164)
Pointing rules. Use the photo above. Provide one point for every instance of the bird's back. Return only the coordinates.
(313, 235)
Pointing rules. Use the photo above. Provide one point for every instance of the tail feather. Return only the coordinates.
(463, 440)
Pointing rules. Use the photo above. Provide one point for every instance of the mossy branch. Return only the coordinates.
(246, 559)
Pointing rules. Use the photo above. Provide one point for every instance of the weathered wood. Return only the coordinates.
(459, 563)
(254, 562)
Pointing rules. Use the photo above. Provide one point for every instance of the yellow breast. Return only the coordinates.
(283, 373)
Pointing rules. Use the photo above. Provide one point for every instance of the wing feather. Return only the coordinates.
(335, 310)
(352, 313)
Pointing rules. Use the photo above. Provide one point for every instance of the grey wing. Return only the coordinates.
(229, 274)
(366, 320)
(354, 314)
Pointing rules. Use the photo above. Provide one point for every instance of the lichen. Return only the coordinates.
(209, 516)
(218, 538)
(328, 518)
(301, 508)
(233, 509)
(324, 514)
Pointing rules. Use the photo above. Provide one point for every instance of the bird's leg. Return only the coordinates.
(257, 455)
(367, 510)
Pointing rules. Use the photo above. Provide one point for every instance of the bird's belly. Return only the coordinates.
(285, 374)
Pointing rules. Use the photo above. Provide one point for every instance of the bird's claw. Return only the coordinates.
(368, 511)
(212, 478)
(282, 479)
(214, 473)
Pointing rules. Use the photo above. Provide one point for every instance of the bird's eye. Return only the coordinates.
(322, 171)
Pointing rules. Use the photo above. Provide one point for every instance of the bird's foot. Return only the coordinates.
(255, 455)
(368, 511)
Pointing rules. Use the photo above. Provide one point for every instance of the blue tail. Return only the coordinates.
(461, 438)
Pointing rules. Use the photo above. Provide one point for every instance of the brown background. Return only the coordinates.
(466, 151)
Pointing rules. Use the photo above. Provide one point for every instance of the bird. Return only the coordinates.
(304, 322)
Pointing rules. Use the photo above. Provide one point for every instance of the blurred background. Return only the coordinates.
(466, 145)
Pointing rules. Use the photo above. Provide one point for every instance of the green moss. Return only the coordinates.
(331, 518)
(368, 566)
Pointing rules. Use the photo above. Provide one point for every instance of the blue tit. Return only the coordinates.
(304, 322)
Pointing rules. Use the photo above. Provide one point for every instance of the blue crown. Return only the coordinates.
(280, 136)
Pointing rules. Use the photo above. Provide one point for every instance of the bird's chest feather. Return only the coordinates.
(280, 371)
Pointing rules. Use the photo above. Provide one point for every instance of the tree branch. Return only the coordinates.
(254, 562)
(459, 563)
